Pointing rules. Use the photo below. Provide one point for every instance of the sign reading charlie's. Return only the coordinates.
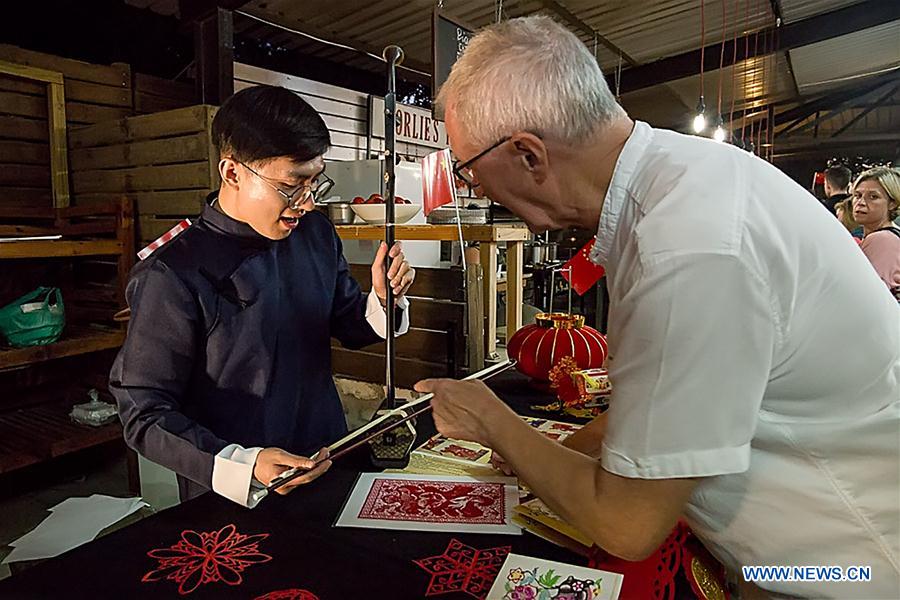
(449, 39)
(413, 125)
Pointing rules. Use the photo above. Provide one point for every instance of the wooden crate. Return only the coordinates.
(445, 328)
(92, 93)
(154, 94)
(164, 161)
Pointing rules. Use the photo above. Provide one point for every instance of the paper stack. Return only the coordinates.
(71, 523)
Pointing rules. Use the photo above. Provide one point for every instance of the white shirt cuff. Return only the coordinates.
(232, 474)
(377, 318)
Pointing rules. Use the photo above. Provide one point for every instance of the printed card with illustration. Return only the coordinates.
(432, 503)
(523, 577)
(455, 450)
(536, 510)
(427, 464)
(471, 453)
(555, 430)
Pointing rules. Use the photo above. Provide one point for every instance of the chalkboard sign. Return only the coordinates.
(449, 39)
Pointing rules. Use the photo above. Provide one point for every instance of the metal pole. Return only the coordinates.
(552, 288)
(393, 55)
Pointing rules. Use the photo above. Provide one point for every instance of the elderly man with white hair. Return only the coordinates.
(729, 289)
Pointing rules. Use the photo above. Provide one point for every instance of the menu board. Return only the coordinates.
(449, 39)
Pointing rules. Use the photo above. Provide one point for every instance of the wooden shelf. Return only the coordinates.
(32, 435)
(60, 248)
(73, 343)
(472, 233)
(40, 429)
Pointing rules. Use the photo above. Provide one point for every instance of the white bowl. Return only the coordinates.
(373, 214)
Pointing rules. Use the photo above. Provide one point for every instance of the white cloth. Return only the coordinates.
(232, 474)
(377, 317)
(752, 345)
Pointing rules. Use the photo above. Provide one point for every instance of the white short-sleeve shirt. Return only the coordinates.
(752, 345)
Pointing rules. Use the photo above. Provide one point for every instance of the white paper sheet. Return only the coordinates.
(545, 578)
(71, 523)
(354, 515)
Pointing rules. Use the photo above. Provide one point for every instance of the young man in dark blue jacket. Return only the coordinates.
(225, 376)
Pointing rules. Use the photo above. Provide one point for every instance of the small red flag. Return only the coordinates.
(437, 180)
(581, 272)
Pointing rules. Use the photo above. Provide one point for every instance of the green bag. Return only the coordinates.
(35, 319)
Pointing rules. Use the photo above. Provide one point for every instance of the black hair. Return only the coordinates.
(838, 176)
(265, 122)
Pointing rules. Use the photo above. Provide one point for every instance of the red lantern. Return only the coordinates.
(538, 347)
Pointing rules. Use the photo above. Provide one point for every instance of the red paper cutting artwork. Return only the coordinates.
(288, 595)
(199, 558)
(462, 568)
(563, 427)
(433, 443)
(435, 502)
(461, 452)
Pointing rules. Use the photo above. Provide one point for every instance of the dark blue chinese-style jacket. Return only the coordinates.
(229, 342)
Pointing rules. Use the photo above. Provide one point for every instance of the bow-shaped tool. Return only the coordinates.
(377, 427)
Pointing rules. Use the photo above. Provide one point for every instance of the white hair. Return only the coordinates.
(528, 74)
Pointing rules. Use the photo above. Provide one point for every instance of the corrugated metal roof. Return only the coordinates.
(756, 82)
(834, 62)
(797, 10)
(652, 30)
(646, 30)
(376, 24)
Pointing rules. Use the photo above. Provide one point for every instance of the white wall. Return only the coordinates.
(345, 112)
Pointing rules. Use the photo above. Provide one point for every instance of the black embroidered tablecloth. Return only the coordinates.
(286, 548)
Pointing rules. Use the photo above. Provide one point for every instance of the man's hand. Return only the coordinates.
(400, 273)
(464, 410)
(272, 462)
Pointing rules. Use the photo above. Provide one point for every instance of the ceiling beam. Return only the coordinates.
(877, 142)
(566, 15)
(861, 115)
(835, 111)
(825, 26)
(852, 91)
(190, 10)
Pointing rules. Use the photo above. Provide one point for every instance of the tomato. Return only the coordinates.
(359, 200)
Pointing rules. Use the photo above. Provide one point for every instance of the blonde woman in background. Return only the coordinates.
(876, 203)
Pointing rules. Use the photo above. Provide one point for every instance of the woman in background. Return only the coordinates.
(876, 203)
(843, 210)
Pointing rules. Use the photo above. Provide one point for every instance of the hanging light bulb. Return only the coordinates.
(700, 119)
(699, 123)
(719, 133)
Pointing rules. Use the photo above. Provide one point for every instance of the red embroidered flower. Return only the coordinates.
(201, 558)
(288, 595)
(462, 568)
